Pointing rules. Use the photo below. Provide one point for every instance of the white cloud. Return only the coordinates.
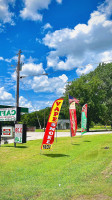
(31, 60)
(106, 56)
(38, 40)
(59, 1)
(42, 104)
(32, 9)
(68, 64)
(40, 83)
(1, 27)
(30, 69)
(15, 58)
(5, 14)
(47, 26)
(1, 58)
(37, 105)
(84, 70)
(106, 7)
(45, 84)
(84, 44)
(5, 96)
(23, 102)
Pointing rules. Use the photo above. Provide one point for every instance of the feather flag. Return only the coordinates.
(51, 125)
(84, 119)
(73, 117)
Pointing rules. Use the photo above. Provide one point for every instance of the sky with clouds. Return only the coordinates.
(59, 37)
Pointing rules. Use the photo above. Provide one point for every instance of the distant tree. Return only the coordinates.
(95, 89)
(36, 118)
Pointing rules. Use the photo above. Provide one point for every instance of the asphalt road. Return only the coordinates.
(40, 135)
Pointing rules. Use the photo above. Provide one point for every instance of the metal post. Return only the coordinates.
(0, 138)
(56, 134)
(69, 116)
(17, 91)
(44, 121)
(0, 134)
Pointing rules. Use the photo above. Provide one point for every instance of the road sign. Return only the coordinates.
(8, 114)
(20, 133)
(7, 131)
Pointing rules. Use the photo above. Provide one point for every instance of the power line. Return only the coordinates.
(33, 75)
(69, 71)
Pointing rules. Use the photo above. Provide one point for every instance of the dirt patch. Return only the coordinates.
(108, 171)
(95, 197)
(35, 197)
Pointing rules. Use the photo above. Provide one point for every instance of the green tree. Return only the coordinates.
(36, 118)
(95, 89)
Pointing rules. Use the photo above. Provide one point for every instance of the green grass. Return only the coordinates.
(101, 128)
(95, 128)
(39, 130)
(78, 168)
(42, 130)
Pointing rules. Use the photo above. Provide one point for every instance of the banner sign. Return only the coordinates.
(84, 119)
(73, 116)
(51, 124)
(7, 131)
(8, 114)
(73, 119)
(20, 133)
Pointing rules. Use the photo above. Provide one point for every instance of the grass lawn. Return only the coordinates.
(100, 128)
(79, 168)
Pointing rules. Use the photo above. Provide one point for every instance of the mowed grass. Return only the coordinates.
(79, 168)
(95, 128)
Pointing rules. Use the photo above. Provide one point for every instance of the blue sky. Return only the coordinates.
(64, 38)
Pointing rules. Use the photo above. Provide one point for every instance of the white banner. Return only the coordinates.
(18, 133)
(8, 114)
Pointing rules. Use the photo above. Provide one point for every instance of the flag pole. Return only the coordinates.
(81, 122)
(69, 118)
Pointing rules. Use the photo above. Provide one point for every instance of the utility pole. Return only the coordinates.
(17, 89)
(17, 71)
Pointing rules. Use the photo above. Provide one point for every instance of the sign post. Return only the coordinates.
(12, 114)
(0, 135)
(20, 133)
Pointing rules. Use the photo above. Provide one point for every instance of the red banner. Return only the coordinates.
(51, 125)
(73, 119)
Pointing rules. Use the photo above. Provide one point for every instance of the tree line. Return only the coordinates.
(94, 88)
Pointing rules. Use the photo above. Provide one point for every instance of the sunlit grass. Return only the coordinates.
(75, 167)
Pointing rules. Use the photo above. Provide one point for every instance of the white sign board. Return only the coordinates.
(18, 133)
(7, 131)
(8, 114)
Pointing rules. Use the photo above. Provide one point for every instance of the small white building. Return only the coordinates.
(63, 124)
